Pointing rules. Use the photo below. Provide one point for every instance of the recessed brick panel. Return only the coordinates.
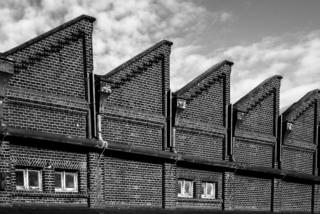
(297, 160)
(251, 193)
(253, 153)
(131, 182)
(296, 197)
(204, 146)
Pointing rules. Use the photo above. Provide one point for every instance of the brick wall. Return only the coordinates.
(201, 128)
(251, 193)
(208, 105)
(199, 144)
(132, 182)
(137, 101)
(48, 91)
(253, 153)
(296, 197)
(298, 160)
(262, 106)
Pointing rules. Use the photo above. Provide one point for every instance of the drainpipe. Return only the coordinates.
(178, 106)
(6, 72)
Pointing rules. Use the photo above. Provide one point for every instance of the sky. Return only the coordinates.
(261, 37)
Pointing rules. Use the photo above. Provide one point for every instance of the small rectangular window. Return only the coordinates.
(185, 188)
(28, 179)
(66, 182)
(209, 190)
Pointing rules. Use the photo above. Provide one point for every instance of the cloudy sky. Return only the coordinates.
(262, 38)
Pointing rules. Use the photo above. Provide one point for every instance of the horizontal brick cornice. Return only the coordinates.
(47, 99)
(255, 137)
(49, 33)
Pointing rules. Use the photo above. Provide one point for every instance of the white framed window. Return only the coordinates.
(185, 188)
(209, 190)
(28, 179)
(66, 181)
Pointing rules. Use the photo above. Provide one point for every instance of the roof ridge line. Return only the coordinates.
(48, 33)
(297, 104)
(258, 87)
(135, 58)
(201, 77)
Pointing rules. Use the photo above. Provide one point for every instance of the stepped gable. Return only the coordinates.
(256, 95)
(194, 83)
(299, 107)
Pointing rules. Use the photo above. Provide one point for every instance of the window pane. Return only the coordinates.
(69, 180)
(19, 178)
(204, 189)
(33, 177)
(58, 183)
(209, 189)
(179, 187)
(187, 187)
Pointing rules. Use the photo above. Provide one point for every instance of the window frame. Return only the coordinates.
(213, 194)
(26, 180)
(183, 194)
(63, 182)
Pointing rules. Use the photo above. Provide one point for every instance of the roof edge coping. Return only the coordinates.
(201, 77)
(257, 88)
(135, 58)
(49, 33)
(297, 104)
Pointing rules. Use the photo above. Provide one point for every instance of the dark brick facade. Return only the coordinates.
(245, 156)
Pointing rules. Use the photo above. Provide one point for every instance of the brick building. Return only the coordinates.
(72, 138)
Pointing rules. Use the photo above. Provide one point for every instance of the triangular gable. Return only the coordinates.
(47, 61)
(201, 77)
(141, 82)
(260, 107)
(207, 95)
(255, 91)
(49, 33)
(294, 108)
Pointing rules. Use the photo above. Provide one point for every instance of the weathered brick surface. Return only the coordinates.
(262, 104)
(169, 181)
(297, 160)
(296, 197)
(199, 144)
(209, 104)
(5, 196)
(251, 193)
(49, 85)
(253, 153)
(132, 182)
(139, 89)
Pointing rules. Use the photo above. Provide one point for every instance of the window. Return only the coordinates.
(28, 179)
(209, 190)
(66, 181)
(185, 188)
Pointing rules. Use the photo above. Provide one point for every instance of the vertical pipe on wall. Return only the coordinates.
(168, 131)
(279, 142)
